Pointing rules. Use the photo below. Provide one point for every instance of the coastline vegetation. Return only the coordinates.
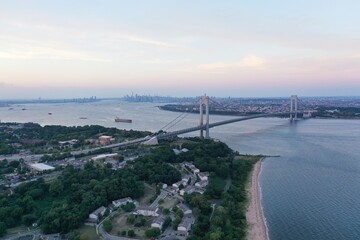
(63, 204)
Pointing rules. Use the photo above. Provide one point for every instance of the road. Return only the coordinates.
(37, 157)
(162, 195)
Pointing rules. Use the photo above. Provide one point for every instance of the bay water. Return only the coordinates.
(311, 191)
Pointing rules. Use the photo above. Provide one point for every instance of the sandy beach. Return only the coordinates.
(254, 214)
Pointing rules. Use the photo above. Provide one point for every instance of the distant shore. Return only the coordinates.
(254, 214)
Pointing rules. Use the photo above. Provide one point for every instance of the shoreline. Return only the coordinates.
(255, 219)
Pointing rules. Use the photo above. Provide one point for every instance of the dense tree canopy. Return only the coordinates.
(65, 203)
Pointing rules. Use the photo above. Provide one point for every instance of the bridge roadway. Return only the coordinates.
(216, 124)
(141, 140)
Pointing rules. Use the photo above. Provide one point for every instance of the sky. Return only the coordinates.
(109, 48)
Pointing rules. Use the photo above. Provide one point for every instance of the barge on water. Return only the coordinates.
(123, 120)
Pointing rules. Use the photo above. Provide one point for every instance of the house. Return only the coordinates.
(122, 201)
(147, 211)
(187, 190)
(105, 140)
(202, 183)
(177, 151)
(70, 142)
(194, 169)
(172, 189)
(94, 216)
(158, 222)
(177, 184)
(203, 176)
(186, 210)
(186, 179)
(199, 190)
(185, 226)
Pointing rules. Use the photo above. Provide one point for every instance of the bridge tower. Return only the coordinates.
(204, 100)
(293, 107)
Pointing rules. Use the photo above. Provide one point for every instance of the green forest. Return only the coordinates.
(65, 203)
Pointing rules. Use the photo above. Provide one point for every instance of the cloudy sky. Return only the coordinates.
(234, 48)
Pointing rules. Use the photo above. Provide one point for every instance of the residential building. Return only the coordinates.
(158, 222)
(199, 190)
(105, 140)
(122, 201)
(172, 189)
(147, 211)
(203, 176)
(177, 184)
(188, 190)
(186, 210)
(202, 184)
(185, 226)
(94, 216)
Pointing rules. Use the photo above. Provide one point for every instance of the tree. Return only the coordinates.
(129, 207)
(152, 232)
(2, 229)
(166, 223)
(131, 233)
(130, 219)
(176, 222)
(107, 225)
(56, 187)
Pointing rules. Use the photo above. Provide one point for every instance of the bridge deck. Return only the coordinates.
(211, 125)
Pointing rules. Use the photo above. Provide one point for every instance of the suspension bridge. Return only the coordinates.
(204, 102)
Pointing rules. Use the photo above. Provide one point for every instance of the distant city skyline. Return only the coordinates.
(67, 49)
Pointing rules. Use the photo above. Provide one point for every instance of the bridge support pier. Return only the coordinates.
(293, 107)
(204, 100)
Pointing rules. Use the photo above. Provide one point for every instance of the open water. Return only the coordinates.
(312, 191)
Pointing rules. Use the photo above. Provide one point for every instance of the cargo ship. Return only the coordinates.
(123, 120)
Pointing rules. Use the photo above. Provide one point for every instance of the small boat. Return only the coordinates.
(50, 113)
(11, 109)
(123, 120)
(23, 109)
(83, 118)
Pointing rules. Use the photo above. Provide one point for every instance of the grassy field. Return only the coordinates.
(119, 224)
(88, 231)
(169, 202)
(149, 193)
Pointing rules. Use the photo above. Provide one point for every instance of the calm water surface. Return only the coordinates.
(311, 192)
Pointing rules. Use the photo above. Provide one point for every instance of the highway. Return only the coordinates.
(160, 136)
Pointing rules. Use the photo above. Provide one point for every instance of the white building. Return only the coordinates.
(199, 190)
(172, 189)
(186, 179)
(98, 212)
(39, 167)
(188, 190)
(202, 184)
(185, 226)
(203, 176)
(177, 184)
(70, 142)
(104, 156)
(186, 210)
(122, 201)
(194, 169)
(147, 211)
(177, 151)
(158, 222)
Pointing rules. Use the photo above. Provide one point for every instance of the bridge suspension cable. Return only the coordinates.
(176, 120)
(172, 121)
